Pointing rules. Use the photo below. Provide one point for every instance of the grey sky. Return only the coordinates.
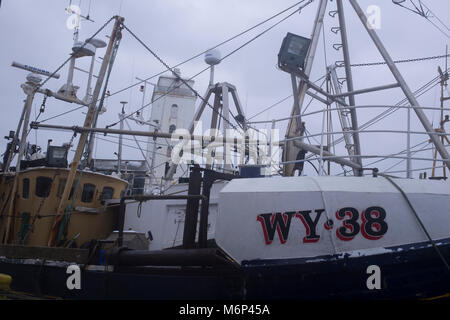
(34, 32)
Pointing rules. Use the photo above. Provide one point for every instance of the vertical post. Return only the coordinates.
(88, 88)
(401, 81)
(152, 163)
(226, 126)
(321, 143)
(203, 227)
(443, 83)
(350, 88)
(16, 137)
(26, 122)
(119, 152)
(214, 120)
(69, 85)
(408, 144)
(296, 100)
(192, 206)
(211, 76)
(121, 224)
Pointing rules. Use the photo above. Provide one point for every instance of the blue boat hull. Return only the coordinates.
(407, 272)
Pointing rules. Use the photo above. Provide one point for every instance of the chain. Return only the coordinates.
(42, 109)
(340, 64)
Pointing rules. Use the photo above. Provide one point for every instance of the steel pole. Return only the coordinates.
(350, 88)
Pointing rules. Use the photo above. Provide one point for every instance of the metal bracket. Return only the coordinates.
(337, 46)
(333, 13)
(335, 30)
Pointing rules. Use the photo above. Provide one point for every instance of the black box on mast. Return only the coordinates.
(293, 52)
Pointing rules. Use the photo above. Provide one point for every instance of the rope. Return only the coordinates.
(192, 58)
(214, 47)
(418, 218)
(168, 68)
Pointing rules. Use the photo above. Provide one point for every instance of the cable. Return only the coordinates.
(281, 101)
(418, 218)
(420, 11)
(214, 47)
(434, 15)
(226, 56)
(419, 92)
(268, 108)
(64, 63)
(62, 114)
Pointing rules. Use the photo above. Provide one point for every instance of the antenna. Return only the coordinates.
(81, 48)
(35, 70)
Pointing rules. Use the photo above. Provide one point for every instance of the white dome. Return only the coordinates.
(212, 57)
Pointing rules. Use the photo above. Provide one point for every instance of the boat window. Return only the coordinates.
(107, 193)
(61, 186)
(88, 192)
(43, 186)
(174, 111)
(26, 188)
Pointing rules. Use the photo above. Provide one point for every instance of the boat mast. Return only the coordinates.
(30, 89)
(350, 88)
(119, 153)
(295, 124)
(443, 120)
(83, 138)
(404, 86)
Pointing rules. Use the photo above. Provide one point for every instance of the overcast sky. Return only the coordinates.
(35, 33)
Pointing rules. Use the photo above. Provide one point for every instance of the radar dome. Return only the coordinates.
(212, 57)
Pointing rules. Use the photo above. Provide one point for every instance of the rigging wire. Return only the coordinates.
(281, 101)
(270, 107)
(421, 12)
(418, 93)
(435, 16)
(196, 56)
(214, 47)
(73, 54)
(368, 64)
(223, 58)
(397, 154)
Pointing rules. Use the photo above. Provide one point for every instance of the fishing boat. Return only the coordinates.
(196, 225)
